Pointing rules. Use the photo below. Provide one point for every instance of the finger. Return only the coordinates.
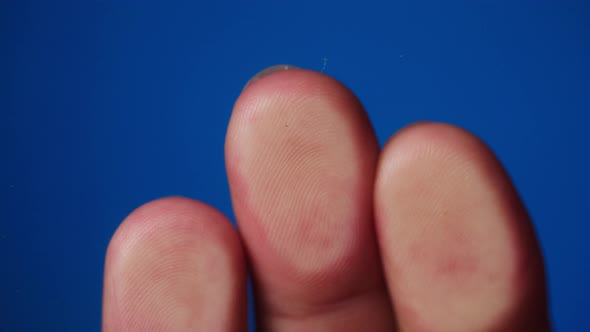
(175, 265)
(301, 156)
(458, 247)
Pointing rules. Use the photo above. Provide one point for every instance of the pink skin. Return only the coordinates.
(471, 242)
(426, 235)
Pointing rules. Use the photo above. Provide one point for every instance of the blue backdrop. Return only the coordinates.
(107, 104)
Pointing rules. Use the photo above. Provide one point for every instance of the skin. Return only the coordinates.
(427, 234)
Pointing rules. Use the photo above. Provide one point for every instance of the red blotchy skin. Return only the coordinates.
(455, 267)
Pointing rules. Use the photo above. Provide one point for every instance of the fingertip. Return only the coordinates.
(174, 264)
(290, 132)
(300, 157)
(455, 237)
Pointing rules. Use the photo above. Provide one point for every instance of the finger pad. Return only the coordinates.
(300, 159)
(457, 243)
(174, 264)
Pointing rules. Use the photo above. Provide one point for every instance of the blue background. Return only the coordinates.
(105, 105)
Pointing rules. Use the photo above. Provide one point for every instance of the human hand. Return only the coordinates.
(426, 235)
